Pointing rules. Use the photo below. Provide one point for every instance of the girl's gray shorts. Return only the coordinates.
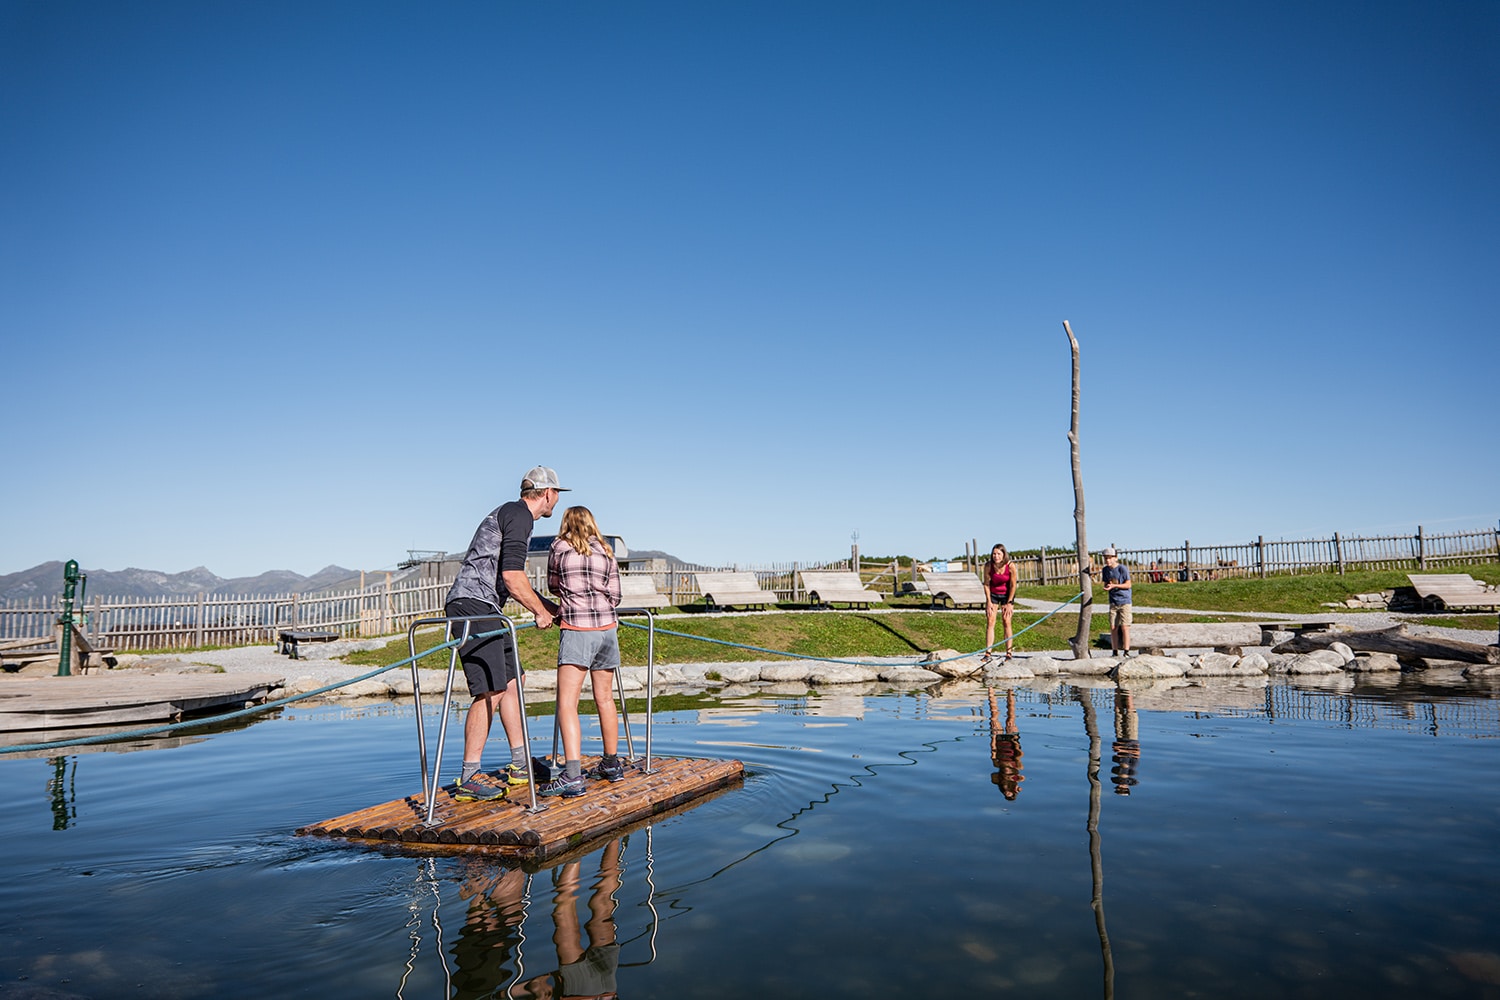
(594, 649)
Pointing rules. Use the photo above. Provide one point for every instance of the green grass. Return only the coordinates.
(833, 634)
(1282, 594)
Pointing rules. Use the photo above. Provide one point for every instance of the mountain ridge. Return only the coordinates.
(46, 579)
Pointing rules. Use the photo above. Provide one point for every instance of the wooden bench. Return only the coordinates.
(1442, 591)
(288, 640)
(637, 593)
(727, 590)
(957, 587)
(844, 588)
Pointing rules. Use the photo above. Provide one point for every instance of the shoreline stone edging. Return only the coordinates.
(787, 677)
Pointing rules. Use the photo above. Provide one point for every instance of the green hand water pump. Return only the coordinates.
(71, 580)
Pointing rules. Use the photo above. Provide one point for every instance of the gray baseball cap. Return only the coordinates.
(541, 478)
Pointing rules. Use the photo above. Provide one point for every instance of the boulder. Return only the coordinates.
(1215, 665)
(1343, 650)
(1328, 656)
(1092, 667)
(1043, 665)
(1374, 663)
(913, 676)
(950, 664)
(737, 673)
(794, 671)
(841, 673)
(1252, 663)
(374, 687)
(1307, 664)
(1007, 670)
(1150, 667)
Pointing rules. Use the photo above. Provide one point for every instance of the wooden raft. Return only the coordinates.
(121, 697)
(563, 824)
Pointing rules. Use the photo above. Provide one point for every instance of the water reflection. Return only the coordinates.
(1005, 745)
(1096, 854)
(511, 944)
(62, 787)
(1127, 745)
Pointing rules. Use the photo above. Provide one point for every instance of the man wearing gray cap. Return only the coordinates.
(494, 571)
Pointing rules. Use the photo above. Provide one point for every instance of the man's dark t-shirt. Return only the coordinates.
(500, 544)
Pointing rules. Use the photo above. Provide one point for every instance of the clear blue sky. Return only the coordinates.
(291, 284)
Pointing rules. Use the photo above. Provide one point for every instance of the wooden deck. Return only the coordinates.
(505, 827)
(123, 697)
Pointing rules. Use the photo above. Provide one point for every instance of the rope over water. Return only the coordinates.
(279, 702)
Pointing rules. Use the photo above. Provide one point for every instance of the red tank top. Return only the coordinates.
(1000, 582)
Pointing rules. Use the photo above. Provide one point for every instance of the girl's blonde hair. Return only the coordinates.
(578, 527)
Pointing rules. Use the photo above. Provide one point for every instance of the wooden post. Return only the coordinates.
(1260, 554)
(974, 545)
(1421, 548)
(1041, 566)
(1080, 640)
(1187, 558)
(1338, 552)
(294, 609)
(796, 584)
(198, 630)
(385, 611)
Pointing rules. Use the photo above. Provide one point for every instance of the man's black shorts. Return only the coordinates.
(489, 664)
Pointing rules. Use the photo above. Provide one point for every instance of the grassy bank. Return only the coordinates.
(909, 627)
(836, 634)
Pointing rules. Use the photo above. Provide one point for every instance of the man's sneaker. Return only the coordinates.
(609, 770)
(562, 785)
(514, 775)
(480, 788)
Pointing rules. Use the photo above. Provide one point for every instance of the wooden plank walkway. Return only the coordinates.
(32, 703)
(505, 827)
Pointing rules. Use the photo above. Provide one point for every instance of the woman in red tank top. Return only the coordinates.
(999, 595)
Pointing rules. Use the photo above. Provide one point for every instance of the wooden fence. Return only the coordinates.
(1261, 558)
(387, 609)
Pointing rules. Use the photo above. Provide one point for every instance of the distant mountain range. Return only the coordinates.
(46, 580)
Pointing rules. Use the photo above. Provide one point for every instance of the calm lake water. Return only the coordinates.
(1274, 842)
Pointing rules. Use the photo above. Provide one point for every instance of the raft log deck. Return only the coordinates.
(506, 827)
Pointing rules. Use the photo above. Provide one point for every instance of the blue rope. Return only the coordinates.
(266, 706)
(278, 703)
(852, 663)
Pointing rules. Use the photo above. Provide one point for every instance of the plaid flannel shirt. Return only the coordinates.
(587, 586)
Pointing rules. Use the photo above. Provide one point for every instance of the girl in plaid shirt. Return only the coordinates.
(583, 575)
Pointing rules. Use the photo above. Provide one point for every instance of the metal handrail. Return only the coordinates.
(430, 784)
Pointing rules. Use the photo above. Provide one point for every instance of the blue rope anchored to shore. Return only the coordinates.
(279, 702)
(852, 663)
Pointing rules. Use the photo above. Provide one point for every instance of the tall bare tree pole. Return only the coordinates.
(1080, 640)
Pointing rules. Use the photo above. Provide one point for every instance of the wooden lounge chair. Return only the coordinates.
(1443, 591)
(727, 590)
(637, 593)
(837, 588)
(956, 587)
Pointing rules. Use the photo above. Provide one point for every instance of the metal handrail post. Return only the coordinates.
(619, 694)
(650, 679)
(521, 697)
(431, 781)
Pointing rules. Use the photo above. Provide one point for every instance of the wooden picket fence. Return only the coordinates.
(151, 623)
